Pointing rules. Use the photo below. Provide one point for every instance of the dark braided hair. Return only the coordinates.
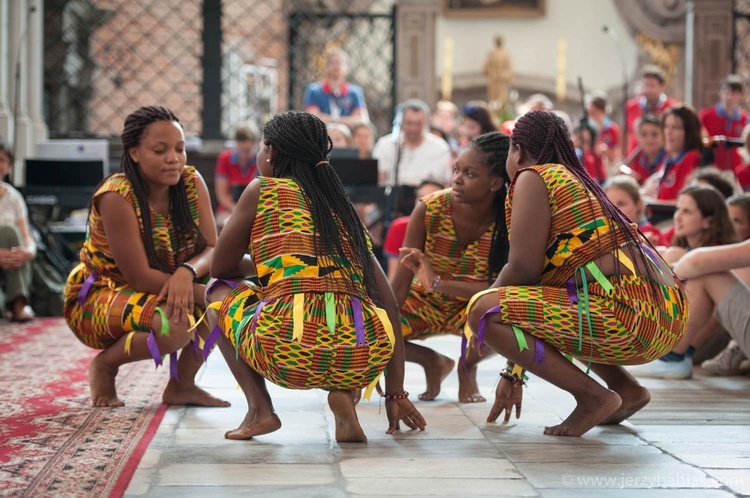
(544, 137)
(494, 146)
(302, 147)
(185, 228)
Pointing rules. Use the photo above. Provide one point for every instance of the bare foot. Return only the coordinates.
(102, 383)
(348, 429)
(468, 389)
(435, 373)
(251, 426)
(590, 411)
(633, 398)
(178, 394)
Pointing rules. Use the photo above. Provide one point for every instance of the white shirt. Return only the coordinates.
(12, 205)
(430, 160)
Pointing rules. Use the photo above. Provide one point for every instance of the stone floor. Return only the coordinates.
(693, 440)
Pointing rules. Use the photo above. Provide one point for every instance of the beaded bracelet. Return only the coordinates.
(435, 283)
(513, 379)
(403, 395)
(192, 270)
(514, 374)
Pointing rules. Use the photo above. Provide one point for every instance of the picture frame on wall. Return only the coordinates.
(493, 8)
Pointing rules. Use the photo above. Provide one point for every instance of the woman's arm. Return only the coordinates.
(124, 239)
(705, 260)
(29, 245)
(415, 237)
(529, 227)
(229, 255)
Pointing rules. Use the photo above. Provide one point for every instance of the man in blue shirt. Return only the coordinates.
(334, 99)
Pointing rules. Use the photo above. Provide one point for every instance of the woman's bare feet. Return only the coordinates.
(435, 373)
(633, 398)
(468, 389)
(102, 383)
(252, 426)
(590, 411)
(177, 393)
(348, 429)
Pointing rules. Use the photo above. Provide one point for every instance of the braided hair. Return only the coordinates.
(544, 136)
(494, 146)
(186, 229)
(302, 147)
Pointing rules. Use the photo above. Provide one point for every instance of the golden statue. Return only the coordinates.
(499, 75)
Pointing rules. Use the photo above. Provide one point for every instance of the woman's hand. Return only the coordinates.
(416, 261)
(399, 410)
(178, 293)
(507, 395)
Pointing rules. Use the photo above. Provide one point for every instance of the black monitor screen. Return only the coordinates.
(63, 173)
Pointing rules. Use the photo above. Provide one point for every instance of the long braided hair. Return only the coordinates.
(494, 146)
(185, 228)
(302, 148)
(544, 136)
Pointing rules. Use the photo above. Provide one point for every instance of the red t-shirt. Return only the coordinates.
(743, 175)
(649, 229)
(228, 167)
(609, 134)
(394, 239)
(635, 108)
(642, 169)
(594, 166)
(717, 122)
(676, 173)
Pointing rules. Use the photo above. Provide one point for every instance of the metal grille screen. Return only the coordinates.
(104, 58)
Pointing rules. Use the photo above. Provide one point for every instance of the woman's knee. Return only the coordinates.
(216, 291)
(10, 235)
(480, 307)
(174, 338)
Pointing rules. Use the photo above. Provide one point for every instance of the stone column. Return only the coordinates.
(35, 82)
(415, 50)
(23, 131)
(6, 114)
(713, 49)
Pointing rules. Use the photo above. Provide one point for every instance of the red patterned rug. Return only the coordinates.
(52, 441)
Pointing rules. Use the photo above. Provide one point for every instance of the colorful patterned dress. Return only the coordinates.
(426, 313)
(608, 320)
(107, 308)
(309, 325)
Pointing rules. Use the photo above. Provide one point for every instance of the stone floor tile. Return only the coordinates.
(245, 475)
(634, 493)
(735, 480)
(438, 487)
(583, 454)
(427, 468)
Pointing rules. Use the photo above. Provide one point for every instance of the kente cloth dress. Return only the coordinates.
(425, 313)
(100, 307)
(609, 320)
(311, 323)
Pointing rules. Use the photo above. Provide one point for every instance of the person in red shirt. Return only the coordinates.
(682, 141)
(607, 145)
(651, 99)
(726, 119)
(624, 193)
(650, 153)
(235, 168)
(583, 137)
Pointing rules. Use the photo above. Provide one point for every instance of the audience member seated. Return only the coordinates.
(334, 99)
(651, 99)
(394, 239)
(235, 168)
(340, 135)
(363, 138)
(701, 220)
(583, 139)
(608, 140)
(421, 155)
(649, 155)
(742, 171)
(623, 191)
(445, 117)
(476, 120)
(726, 118)
(732, 361)
(17, 246)
(682, 142)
